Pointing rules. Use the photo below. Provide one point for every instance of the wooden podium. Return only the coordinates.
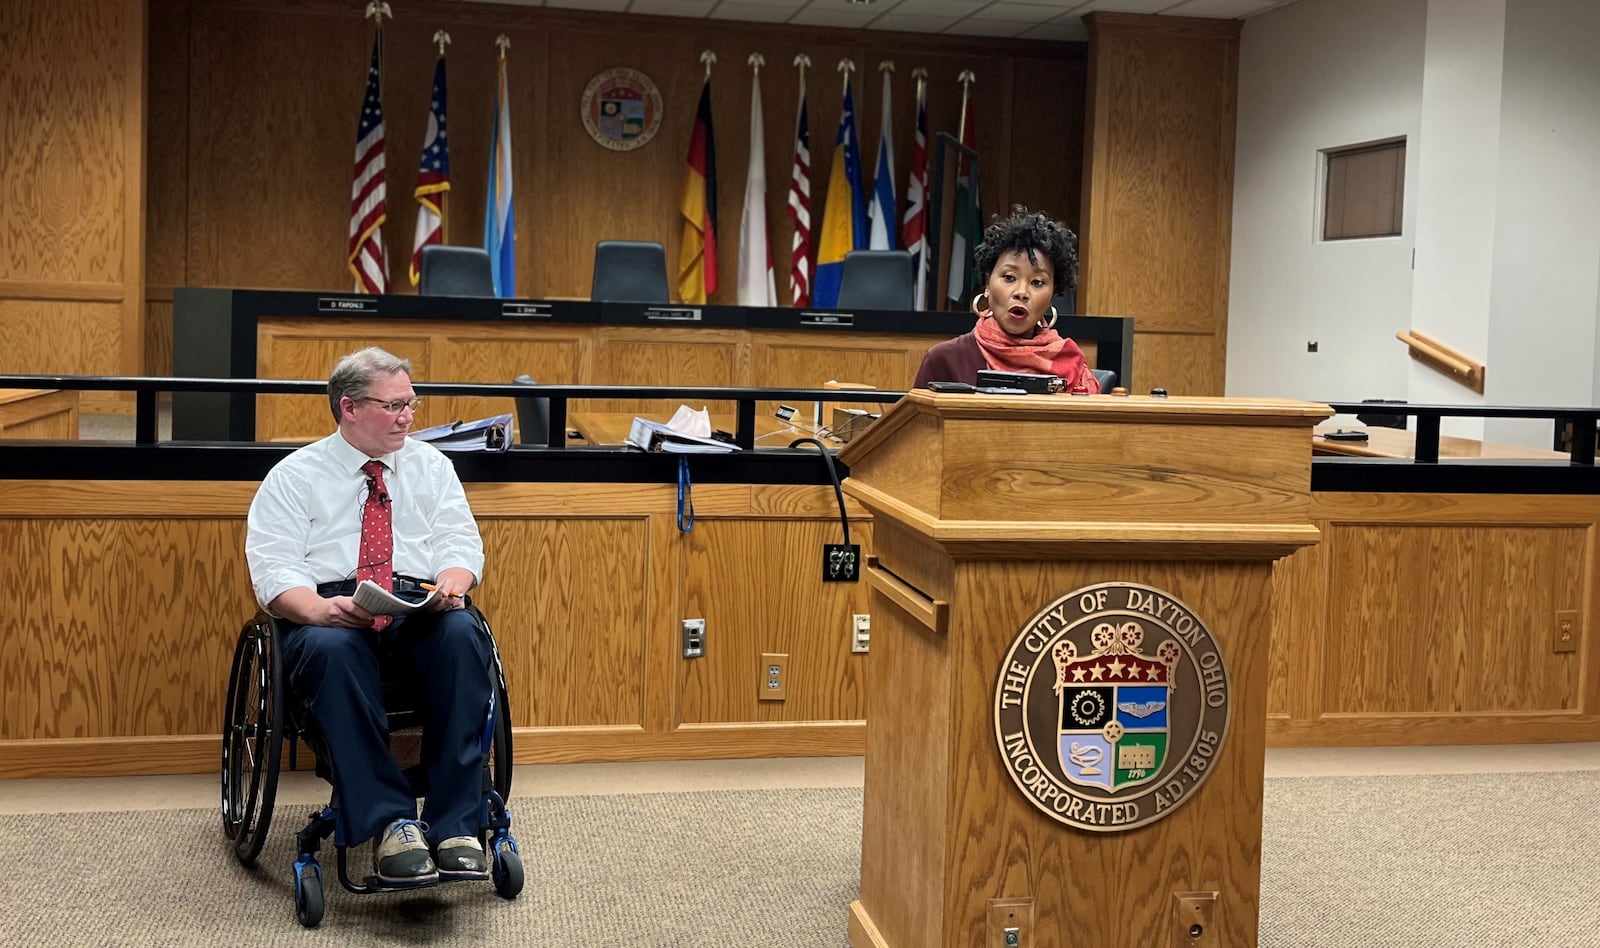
(1162, 517)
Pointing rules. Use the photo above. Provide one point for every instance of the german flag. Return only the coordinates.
(697, 258)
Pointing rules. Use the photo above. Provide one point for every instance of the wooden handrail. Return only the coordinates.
(1441, 358)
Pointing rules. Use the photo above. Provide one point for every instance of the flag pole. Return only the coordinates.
(443, 39)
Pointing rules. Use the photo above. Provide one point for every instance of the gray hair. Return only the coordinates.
(355, 373)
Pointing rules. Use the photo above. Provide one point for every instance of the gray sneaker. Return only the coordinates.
(462, 857)
(401, 855)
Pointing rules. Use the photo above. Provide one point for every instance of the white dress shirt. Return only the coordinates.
(305, 522)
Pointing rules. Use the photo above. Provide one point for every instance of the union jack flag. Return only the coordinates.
(800, 208)
(433, 178)
(915, 232)
(368, 196)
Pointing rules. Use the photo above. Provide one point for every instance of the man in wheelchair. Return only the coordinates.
(367, 502)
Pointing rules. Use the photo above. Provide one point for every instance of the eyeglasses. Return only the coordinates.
(397, 405)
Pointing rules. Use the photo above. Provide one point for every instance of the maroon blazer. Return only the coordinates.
(954, 360)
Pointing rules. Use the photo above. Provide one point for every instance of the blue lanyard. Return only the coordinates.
(685, 496)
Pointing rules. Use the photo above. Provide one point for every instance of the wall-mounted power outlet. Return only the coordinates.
(841, 562)
(860, 632)
(773, 682)
(1566, 630)
(694, 638)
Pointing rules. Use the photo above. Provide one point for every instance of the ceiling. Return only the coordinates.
(1029, 19)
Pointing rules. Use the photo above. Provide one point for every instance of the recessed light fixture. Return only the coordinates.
(860, 3)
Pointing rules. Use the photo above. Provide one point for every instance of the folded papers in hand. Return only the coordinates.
(689, 432)
(494, 434)
(381, 602)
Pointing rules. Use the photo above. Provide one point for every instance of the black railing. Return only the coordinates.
(1583, 421)
(146, 389)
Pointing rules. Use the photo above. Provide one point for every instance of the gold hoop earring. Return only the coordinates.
(975, 310)
(1052, 323)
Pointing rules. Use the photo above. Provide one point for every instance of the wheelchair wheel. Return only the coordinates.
(507, 870)
(501, 762)
(308, 896)
(252, 739)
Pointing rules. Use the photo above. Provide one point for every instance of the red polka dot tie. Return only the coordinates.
(376, 560)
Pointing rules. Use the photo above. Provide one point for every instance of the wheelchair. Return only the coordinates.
(262, 719)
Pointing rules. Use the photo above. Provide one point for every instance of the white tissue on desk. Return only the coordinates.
(695, 424)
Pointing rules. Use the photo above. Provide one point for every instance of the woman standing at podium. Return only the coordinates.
(1024, 261)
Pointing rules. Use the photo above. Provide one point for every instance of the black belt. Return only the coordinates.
(347, 587)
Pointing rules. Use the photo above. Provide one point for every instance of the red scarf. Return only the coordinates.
(1046, 352)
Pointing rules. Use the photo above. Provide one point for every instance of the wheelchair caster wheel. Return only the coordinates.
(507, 870)
(308, 896)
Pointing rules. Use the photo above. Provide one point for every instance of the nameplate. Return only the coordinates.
(677, 313)
(328, 304)
(827, 319)
(537, 310)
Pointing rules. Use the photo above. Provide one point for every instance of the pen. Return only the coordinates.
(428, 586)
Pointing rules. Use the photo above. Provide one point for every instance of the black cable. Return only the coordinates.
(833, 475)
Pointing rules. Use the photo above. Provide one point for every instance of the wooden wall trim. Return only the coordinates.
(62, 292)
(200, 753)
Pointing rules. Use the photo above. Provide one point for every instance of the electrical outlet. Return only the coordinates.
(1193, 920)
(773, 682)
(841, 562)
(1566, 630)
(860, 632)
(694, 638)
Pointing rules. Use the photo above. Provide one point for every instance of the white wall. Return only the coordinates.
(1313, 75)
(1456, 191)
(1542, 302)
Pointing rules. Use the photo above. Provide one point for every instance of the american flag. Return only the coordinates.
(433, 178)
(915, 232)
(800, 208)
(368, 200)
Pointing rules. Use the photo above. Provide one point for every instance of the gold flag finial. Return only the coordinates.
(504, 42)
(886, 66)
(920, 73)
(443, 39)
(966, 77)
(756, 61)
(847, 66)
(377, 10)
(708, 57)
(801, 62)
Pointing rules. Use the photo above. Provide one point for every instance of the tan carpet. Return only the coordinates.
(1399, 862)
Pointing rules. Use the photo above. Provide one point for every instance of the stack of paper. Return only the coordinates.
(381, 602)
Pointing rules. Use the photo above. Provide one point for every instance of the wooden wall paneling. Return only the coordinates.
(64, 94)
(789, 610)
(1300, 610)
(625, 355)
(158, 336)
(498, 354)
(1433, 643)
(567, 598)
(1158, 177)
(1181, 363)
(167, 135)
(304, 65)
(39, 413)
(134, 33)
(61, 337)
(270, 158)
(308, 349)
(1047, 116)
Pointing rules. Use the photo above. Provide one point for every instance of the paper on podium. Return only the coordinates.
(380, 602)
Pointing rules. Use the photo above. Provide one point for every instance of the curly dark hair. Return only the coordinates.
(1031, 234)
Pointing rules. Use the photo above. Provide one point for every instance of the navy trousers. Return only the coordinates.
(336, 672)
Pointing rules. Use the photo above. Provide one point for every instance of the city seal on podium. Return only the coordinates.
(1111, 706)
(622, 109)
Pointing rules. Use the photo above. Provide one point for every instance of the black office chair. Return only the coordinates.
(533, 416)
(1106, 377)
(878, 279)
(455, 271)
(629, 271)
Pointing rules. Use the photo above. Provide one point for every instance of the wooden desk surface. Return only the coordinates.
(1400, 443)
(611, 427)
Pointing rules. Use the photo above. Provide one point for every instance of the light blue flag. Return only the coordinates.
(499, 223)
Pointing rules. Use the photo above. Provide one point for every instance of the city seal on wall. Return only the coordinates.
(1111, 707)
(622, 109)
